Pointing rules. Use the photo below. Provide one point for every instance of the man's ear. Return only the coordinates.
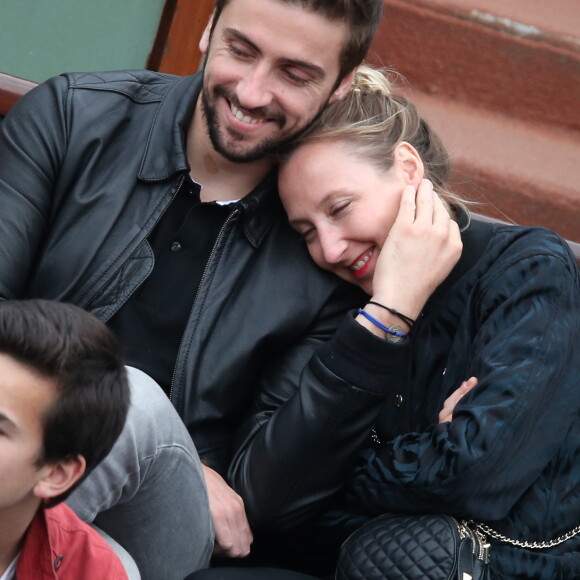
(60, 477)
(343, 88)
(204, 40)
(409, 163)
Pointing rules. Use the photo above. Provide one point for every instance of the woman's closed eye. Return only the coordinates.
(307, 234)
(338, 208)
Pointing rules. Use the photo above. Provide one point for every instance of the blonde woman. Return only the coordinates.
(450, 300)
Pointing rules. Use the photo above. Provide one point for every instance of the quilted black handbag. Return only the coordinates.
(413, 547)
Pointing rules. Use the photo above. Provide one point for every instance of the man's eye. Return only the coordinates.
(237, 51)
(296, 78)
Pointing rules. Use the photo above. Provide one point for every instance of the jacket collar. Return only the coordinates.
(260, 209)
(38, 558)
(475, 236)
(166, 156)
(165, 153)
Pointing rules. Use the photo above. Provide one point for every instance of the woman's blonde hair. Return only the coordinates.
(373, 119)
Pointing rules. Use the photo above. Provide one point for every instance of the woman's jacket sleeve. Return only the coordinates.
(507, 430)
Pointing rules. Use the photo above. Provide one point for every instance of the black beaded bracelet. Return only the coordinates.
(394, 312)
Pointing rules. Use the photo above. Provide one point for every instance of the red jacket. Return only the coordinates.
(59, 546)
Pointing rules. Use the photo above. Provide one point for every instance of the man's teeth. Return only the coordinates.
(363, 261)
(245, 118)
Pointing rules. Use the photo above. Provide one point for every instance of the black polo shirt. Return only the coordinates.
(151, 323)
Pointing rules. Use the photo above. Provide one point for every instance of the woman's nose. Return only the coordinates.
(333, 247)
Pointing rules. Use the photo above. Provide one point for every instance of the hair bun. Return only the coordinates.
(371, 80)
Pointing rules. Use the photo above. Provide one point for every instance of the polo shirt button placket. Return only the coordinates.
(175, 247)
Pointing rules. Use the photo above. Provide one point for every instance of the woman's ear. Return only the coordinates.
(410, 163)
(60, 477)
(204, 40)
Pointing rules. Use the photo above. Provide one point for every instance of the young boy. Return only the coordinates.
(63, 402)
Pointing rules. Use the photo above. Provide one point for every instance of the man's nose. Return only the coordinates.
(254, 90)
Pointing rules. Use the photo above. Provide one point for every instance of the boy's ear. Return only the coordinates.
(343, 88)
(204, 40)
(60, 477)
(410, 163)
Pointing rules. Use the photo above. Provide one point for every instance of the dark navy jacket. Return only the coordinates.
(509, 314)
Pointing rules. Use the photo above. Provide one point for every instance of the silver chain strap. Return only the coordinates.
(533, 545)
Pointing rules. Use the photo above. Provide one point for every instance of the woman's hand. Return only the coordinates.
(421, 249)
(446, 414)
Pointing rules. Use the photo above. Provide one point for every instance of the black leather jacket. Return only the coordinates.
(88, 165)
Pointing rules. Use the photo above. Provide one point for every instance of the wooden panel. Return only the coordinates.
(176, 46)
(11, 89)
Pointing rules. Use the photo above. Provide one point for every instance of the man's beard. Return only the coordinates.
(265, 148)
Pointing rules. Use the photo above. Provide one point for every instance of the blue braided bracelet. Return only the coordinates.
(381, 325)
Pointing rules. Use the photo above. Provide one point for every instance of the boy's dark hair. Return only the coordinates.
(362, 18)
(72, 347)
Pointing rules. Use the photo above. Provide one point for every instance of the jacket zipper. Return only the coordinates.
(230, 218)
(102, 289)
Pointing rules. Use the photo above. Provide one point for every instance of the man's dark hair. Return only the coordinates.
(81, 355)
(362, 18)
